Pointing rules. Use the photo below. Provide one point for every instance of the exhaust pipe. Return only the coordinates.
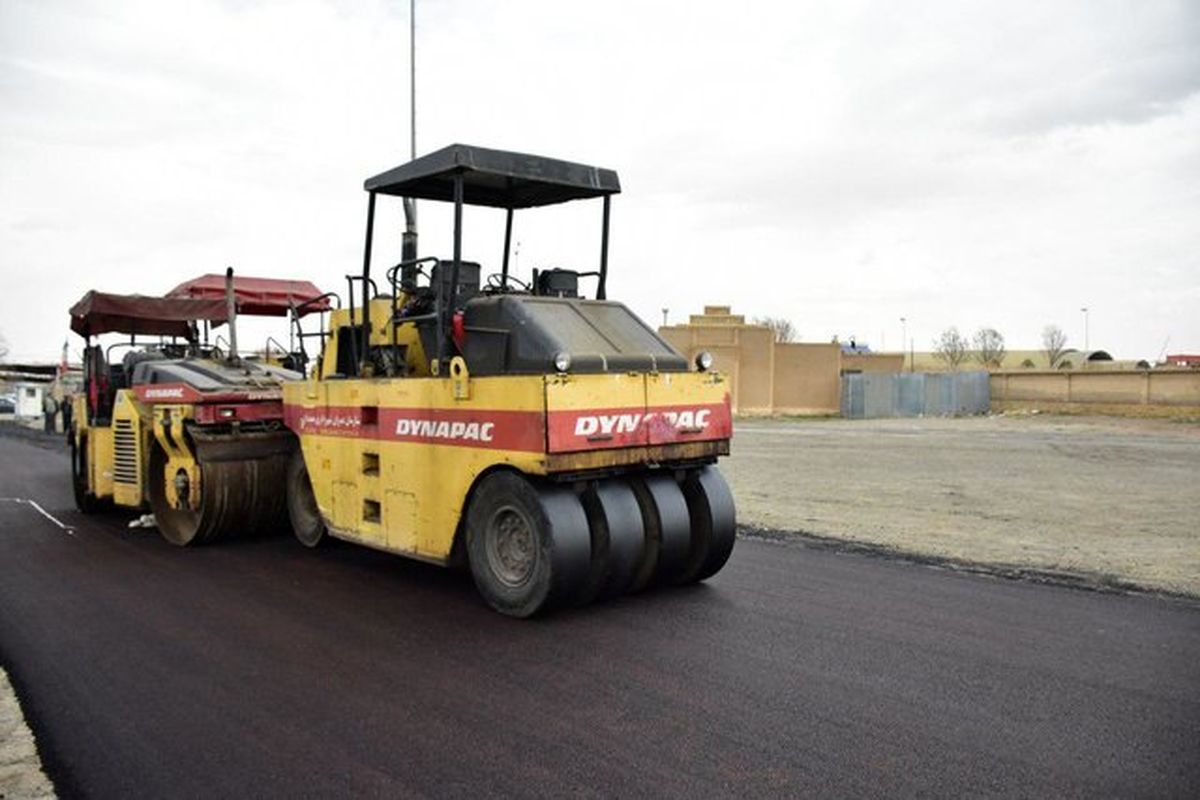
(231, 313)
(408, 244)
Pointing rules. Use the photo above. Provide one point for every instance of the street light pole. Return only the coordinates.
(1086, 344)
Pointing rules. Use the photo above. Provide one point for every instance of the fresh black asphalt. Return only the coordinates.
(259, 668)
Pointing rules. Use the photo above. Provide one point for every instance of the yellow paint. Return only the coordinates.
(127, 416)
(168, 426)
(614, 390)
(99, 460)
(420, 488)
(682, 388)
(144, 425)
(406, 338)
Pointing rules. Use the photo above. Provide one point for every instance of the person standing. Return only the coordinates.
(49, 411)
(67, 410)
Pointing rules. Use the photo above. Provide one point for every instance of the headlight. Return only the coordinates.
(562, 361)
(704, 361)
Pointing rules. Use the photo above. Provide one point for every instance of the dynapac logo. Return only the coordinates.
(688, 421)
(434, 429)
(329, 421)
(171, 393)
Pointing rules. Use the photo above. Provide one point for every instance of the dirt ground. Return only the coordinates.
(21, 773)
(1115, 499)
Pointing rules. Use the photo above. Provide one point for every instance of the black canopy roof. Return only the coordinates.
(495, 178)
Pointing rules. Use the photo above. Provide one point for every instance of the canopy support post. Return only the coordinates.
(366, 288)
(507, 246)
(231, 312)
(446, 317)
(602, 289)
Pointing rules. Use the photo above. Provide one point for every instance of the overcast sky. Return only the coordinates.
(839, 164)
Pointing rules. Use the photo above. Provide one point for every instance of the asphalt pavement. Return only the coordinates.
(259, 668)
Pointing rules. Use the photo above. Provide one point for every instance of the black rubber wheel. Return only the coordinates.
(528, 547)
(668, 530)
(618, 539)
(714, 523)
(307, 524)
(85, 501)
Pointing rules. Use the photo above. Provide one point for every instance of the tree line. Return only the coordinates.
(987, 346)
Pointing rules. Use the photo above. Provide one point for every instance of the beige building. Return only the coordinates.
(770, 377)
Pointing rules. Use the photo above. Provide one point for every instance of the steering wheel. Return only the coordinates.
(494, 283)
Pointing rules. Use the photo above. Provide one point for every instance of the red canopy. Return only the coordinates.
(98, 313)
(265, 297)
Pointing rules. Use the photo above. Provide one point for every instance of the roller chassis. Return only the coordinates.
(644, 494)
(202, 481)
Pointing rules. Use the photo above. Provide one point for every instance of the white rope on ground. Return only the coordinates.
(25, 501)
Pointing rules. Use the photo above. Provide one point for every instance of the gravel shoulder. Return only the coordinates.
(21, 774)
(1093, 500)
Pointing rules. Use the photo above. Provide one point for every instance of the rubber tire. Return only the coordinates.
(562, 557)
(668, 530)
(618, 539)
(85, 501)
(307, 523)
(714, 523)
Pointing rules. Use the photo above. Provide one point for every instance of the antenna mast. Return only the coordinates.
(408, 250)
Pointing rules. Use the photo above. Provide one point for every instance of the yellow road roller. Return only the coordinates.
(168, 423)
(553, 443)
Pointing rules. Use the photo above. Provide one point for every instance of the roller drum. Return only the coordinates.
(236, 498)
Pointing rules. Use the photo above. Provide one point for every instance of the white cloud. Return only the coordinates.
(839, 164)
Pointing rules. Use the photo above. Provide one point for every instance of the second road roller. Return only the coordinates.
(191, 431)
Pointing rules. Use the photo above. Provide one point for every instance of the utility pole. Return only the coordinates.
(1086, 344)
(412, 77)
(408, 251)
(903, 336)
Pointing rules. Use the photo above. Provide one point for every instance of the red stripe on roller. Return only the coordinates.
(210, 413)
(184, 393)
(569, 431)
(490, 429)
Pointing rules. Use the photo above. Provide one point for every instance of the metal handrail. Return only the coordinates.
(391, 275)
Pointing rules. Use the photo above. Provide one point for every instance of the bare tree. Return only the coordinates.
(989, 347)
(783, 328)
(951, 347)
(3, 347)
(1054, 343)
